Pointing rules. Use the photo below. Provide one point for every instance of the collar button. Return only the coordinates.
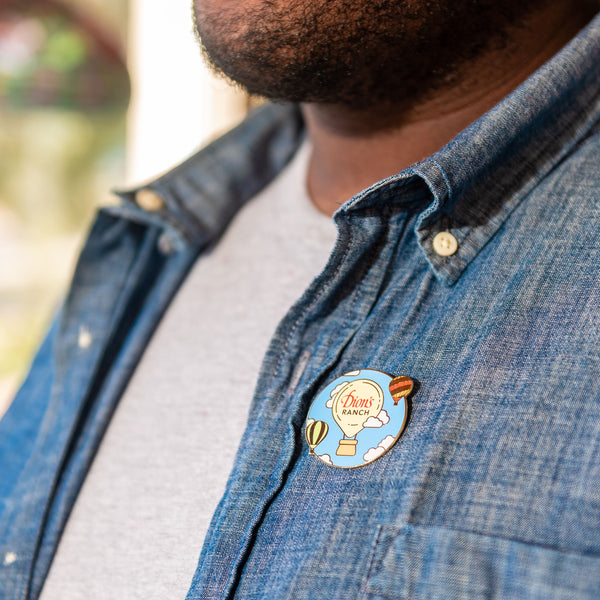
(445, 244)
(149, 200)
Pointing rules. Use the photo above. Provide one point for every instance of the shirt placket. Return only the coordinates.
(303, 354)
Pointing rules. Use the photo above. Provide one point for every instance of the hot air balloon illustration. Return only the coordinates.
(315, 434)
(353, 404)
(400, 387)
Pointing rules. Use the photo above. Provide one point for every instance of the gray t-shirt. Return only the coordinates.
(139, 522)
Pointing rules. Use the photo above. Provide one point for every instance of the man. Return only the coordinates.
(458, 145)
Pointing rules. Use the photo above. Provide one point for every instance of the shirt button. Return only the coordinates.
(445, 244)
(9, 558)
(84, 339)
(165, 245)
(149, 200)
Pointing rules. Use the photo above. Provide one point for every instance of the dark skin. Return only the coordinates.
(443, 65)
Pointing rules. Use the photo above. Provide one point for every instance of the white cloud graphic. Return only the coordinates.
(309, 421)
(325, 458)
(384, 417)
(381, 419)
(383, 445)
(333, 394)
(373, 453)
(387, 441)
(352, 374)
(372, 423)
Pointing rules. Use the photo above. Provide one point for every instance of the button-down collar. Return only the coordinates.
(203, 193)
(480, 177)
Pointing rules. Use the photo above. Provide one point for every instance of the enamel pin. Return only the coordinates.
(357, 417)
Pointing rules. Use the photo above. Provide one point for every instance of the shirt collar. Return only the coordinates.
(478, 179)
(201, 195)
(482, 175)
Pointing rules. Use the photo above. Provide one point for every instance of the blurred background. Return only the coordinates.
(94, 94)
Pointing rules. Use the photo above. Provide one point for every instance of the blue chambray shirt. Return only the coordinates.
(493, 490)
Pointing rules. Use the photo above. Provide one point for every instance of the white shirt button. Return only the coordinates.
(84, 339)
(149, 200)
(445, 244)
(9, 558)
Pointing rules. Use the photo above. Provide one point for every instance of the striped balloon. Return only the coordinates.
(400, 387)
(315, 434)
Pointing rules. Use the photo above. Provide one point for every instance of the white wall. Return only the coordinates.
(177, 105)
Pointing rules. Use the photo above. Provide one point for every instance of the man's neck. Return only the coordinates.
(354, 149)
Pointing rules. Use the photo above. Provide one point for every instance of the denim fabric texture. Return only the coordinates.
(492, 491)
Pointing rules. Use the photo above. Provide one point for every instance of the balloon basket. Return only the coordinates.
(347, 448)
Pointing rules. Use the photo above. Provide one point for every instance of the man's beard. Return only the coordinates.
(355, 53)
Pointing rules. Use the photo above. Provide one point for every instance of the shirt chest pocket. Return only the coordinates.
(433, 563)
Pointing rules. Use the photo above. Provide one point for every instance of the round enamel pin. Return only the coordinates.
(357, 418)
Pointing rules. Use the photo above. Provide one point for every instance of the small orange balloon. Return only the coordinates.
(400, 387)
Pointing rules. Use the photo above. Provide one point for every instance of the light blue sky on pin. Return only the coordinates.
(370, 440)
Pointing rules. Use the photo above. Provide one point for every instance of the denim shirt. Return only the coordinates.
(493, 489)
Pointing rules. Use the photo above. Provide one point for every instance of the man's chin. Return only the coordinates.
(369, 52)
